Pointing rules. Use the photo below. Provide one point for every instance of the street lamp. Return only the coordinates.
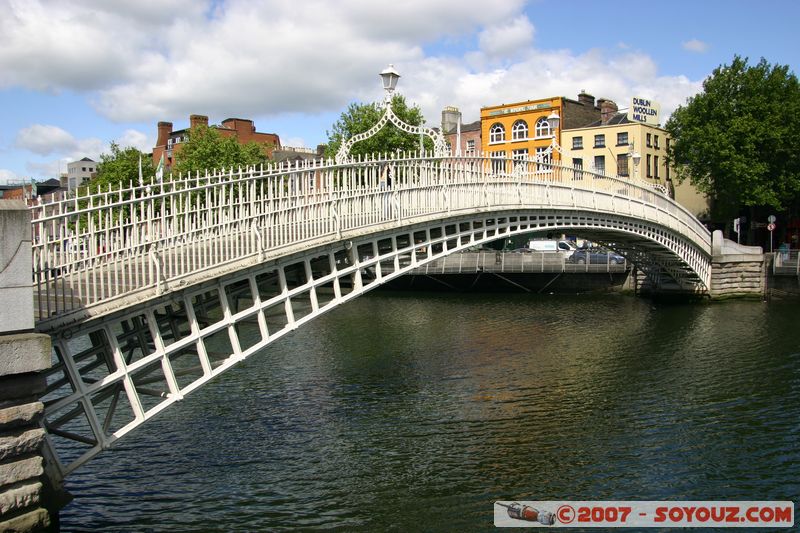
(390, 77)
(553, 120)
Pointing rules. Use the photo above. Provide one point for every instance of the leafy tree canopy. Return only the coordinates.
(359, 118)
(120, 168)
(739, 139)
(208, 149)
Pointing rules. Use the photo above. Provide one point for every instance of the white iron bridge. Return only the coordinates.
(151, 291)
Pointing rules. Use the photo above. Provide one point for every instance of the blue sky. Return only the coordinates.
(76, 75)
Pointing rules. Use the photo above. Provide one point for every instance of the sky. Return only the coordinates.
(76, 75)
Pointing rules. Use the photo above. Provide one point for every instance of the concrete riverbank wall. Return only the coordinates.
(23, 355)
(737, 271)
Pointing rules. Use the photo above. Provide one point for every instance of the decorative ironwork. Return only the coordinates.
(439, 144)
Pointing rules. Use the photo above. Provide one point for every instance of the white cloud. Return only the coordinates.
(259, 58)
(294, 142)
(7, 175)
(137, 139)
(149, 60)
(45, 140)
(508, 39)
(81, 45)
(541, 74)
(695, 45)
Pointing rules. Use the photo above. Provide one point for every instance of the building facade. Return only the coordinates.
(78, 173)
(169, 141)
(617, 146)
(522, 130)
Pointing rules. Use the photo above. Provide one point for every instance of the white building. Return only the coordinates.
(79, 172)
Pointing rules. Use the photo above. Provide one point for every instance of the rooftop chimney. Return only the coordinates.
(164, 130)
(198, 120)
(586, 98)
(607, 110)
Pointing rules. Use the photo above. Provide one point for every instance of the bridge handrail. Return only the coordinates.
(101, 246)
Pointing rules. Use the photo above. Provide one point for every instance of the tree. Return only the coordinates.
(739, 139)
(207, 149)
(359, 118)
(120, 168)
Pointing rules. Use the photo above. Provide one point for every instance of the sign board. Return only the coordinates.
(644, 110)
(771, 226)
(519, 109)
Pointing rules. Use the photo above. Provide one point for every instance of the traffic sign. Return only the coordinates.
(771, 219)
(771, 226)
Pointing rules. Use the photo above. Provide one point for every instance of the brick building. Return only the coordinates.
(169, 141)
(470, 133)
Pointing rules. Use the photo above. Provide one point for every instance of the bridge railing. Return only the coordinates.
(142, 239)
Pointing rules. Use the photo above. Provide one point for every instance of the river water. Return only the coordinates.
(415, 412)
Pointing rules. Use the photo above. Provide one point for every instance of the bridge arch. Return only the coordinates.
(278, 247)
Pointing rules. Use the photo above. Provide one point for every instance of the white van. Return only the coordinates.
(565, 248)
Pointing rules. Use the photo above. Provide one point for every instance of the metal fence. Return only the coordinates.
(786, 263)
(516, 263)
(141, 239)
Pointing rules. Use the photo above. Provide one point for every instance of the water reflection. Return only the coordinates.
(396, 407)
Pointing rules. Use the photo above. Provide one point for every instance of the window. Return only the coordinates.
(519, 131)
(545, 159)
(498, 162)
(655, 165)
(577, 143)
(622, 138)
(471, 147)
(622, 165)
(519, 154)
(577, 164)
(542, 128)
(599, 141)
(655, 141)
(83, 169)
(497, 134)
(649, 170)
(648, 140)
(600, 164)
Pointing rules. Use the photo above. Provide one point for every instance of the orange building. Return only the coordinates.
(522, 130)
(169, 141)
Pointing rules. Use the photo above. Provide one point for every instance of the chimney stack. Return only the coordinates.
(198, 120)
(164, 131)
(586, 98)
(607, 110)
(451, 117)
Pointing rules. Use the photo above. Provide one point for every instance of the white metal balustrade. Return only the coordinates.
(141, 241)
(151, 291)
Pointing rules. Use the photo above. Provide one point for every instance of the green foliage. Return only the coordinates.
(359, 118)
(120, 168)
(208, 149)
(738, 140)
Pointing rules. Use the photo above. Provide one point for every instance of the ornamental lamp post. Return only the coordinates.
(390, 77)
(554, 121)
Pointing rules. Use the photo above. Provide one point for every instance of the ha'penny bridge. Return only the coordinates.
(151, 291)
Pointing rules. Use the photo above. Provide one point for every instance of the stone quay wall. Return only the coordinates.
(23, 355)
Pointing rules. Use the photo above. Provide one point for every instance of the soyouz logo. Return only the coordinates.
(607, 514)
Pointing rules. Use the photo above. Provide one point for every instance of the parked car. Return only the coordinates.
(596, 257)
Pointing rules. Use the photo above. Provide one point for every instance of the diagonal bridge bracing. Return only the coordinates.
(152, 291)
